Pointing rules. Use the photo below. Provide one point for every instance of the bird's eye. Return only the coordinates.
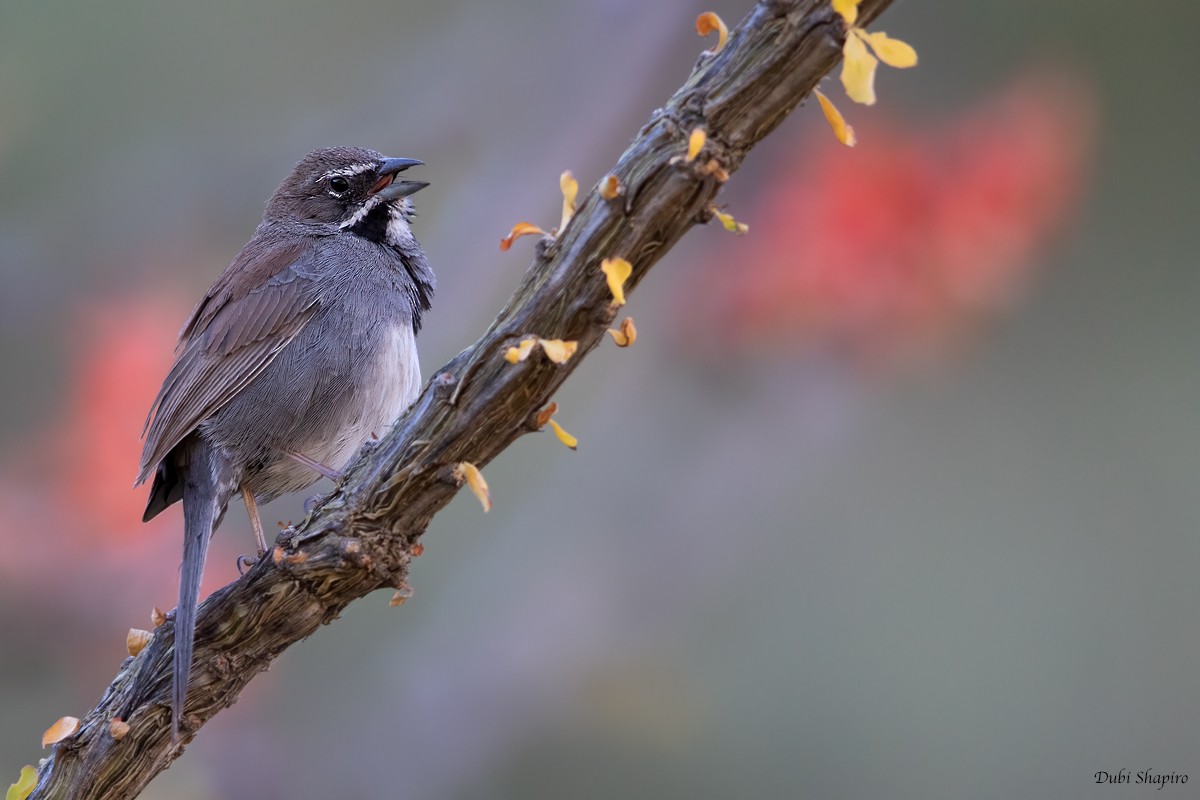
(339, 185)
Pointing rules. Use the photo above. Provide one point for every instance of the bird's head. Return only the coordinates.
(353, 188)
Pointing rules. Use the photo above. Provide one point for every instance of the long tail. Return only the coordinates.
(205, 495)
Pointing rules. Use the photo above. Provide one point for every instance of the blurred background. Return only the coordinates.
(897, 496)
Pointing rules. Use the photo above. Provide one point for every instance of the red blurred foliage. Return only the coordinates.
(897, 248)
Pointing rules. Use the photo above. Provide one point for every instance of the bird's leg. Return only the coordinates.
(315, 466)
(245, 562)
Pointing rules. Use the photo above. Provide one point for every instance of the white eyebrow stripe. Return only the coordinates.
(348, 172)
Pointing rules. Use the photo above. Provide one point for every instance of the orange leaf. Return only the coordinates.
(466, 471)
(521, 352)
(841, 129)
(136, 640)
(858, 70)
(64, 727)
(708, 22)
(570, 189)
(617, 271)
(519, 230)
(848, 9)
(611, 187)
(627, 335)
(892, 52)
(158, 616)
(695, 143)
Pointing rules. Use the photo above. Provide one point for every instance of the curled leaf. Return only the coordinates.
(610, 187)
(24, 786)
(564, 437)
(61, 729)
(570, 189)
(543, 416)
(519, 230)
(616, 271)
(521, 352)
(841, 129)
(695, 143)
(402, 594)
(731, 224)
(892, 52)
(557, 350)
(466, 471)
(627, 334)
(118, 728)
(858, 70)
(708, 22)
(848, 9)
(136, 640)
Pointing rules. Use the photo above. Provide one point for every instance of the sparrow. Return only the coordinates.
(302, 350)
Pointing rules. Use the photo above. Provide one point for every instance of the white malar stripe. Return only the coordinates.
(361, 214)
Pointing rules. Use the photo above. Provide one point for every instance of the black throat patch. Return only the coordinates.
(373, 227)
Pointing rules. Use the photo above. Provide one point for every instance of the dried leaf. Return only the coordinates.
(402, 594)
(61, 729)
(858, 70)
(468, 472)
(848, 9)
(118, 728)
(610, 187)
(842, 130)
(557, 350)
(731, 224)
(521, 352)
(24, 785)
(417, 550)
(519, 230)
(157, 616)
(892, 52)
(564, 437)
(277, 555)
(617, 271)
(627, 335)
(708, 22)
(136, 640)
(696, 143)
(543, 416)
(570, 189)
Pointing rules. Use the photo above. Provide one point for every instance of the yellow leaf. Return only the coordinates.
(64, 727)
(24, 785)
(617, 271)
(570, 189)
(627, 335)
(696, 143)
(892, 52)
(842, 130)
(858, 71)
(466, 471)
(557, 350)
(611, 187)
(708, 22)
(564, 437)
(521, 351)
(519, 230)
(136, 640)
(848, 9)
(731, 224)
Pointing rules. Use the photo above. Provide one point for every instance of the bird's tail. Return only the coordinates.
(204, 501)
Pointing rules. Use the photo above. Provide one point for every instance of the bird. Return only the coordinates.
(302, 350)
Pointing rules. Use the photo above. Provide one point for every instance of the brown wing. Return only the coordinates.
(260, 303)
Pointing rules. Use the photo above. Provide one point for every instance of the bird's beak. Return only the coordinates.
(388, 187)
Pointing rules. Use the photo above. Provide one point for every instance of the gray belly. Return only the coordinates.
(322, 397)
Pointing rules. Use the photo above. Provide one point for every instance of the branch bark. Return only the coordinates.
(361, 537)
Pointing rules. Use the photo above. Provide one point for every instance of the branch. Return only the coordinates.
(362, 536)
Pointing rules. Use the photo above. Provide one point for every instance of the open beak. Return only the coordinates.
(388, 187)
